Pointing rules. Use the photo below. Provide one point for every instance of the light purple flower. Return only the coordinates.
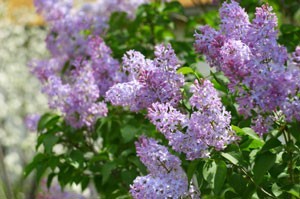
(150, 80)
(249, 55)
(234, 20)
(208, 126)
(296, 57)
(31, 121)
(166, 178)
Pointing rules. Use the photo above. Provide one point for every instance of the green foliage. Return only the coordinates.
(155, 23)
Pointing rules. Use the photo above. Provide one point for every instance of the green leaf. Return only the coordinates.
(35, 162)
(250, 144)
(220, 176)
(287, 28)
(49, 179)
(221, 80)
(295, 191)
(106, 171)
(191, 169)
(77, 156)
(185, 70)
(49, 141)
(214, 172)
(231, 156)
(136, 161)
(231, 195)
(263, 163)
(238, 183)
(46, 121)
(252, 134)
(208, 172)
(100, 157)
(270, 144)
(128, 133)
(84, 182)
(40, 170)
(175, 7)
(128, 176)
(294, 130)
(276, 190)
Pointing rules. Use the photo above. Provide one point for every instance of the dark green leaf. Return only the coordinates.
(49, 141)
(270, 144)
(50, 178)
(84, 182)
(191, 169)
(36, 161)
(106, 171)
(220, 176)
(295, 130)
(77, 156)
(46, 121)
(128, 132)
(238, 183)
(263, 163)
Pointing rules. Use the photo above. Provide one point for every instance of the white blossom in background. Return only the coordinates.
(19, 91)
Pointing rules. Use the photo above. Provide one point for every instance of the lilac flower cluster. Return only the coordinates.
(69, 24)
(77, 99)
(249, 55)
(85, 61)
(150, 81)
(166, 178)
(296, 57)
(84, 80)
(55, 192)
(208, 125)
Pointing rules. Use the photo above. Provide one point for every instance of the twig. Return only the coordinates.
(256, 185)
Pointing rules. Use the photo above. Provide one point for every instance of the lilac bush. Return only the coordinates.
(208, 126)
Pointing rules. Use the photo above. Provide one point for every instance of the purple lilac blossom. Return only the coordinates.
(234, 20)
(77, 99)
(150, 80)
(55, 192)
(43, 69)
(208, 126)
(296, 57)
(31, 121)
(77, 91)
(261, 124)
(166, 178)
(68, 22)
(74, 45)
(249, 55)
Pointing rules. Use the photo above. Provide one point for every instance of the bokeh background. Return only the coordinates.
(21, 38)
